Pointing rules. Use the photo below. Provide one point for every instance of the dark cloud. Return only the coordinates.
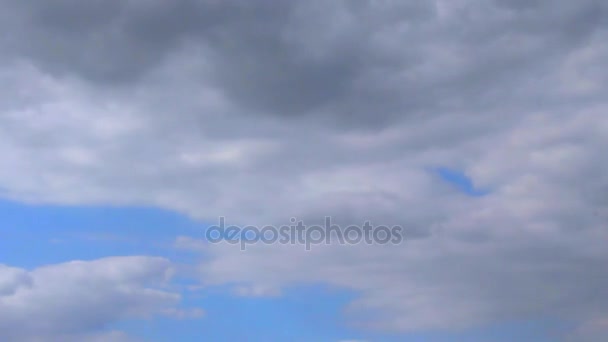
(351, 64)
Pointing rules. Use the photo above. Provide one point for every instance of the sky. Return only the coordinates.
(128, 129)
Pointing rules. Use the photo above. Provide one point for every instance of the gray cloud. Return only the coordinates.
(352, 63)
(260, 111)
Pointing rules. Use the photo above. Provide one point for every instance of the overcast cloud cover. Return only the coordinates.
(264, 110)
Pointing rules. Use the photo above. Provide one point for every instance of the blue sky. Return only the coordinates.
(460, 181)
(36, 235)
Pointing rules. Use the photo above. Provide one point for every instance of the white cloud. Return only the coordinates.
(79, 300)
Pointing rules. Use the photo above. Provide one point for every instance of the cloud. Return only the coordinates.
(80, 300)
(590, 331)
(262, 111)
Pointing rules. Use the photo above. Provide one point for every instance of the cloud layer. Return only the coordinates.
(262, 111)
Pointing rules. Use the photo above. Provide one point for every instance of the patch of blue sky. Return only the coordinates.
(460, 181)
(33, 235)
